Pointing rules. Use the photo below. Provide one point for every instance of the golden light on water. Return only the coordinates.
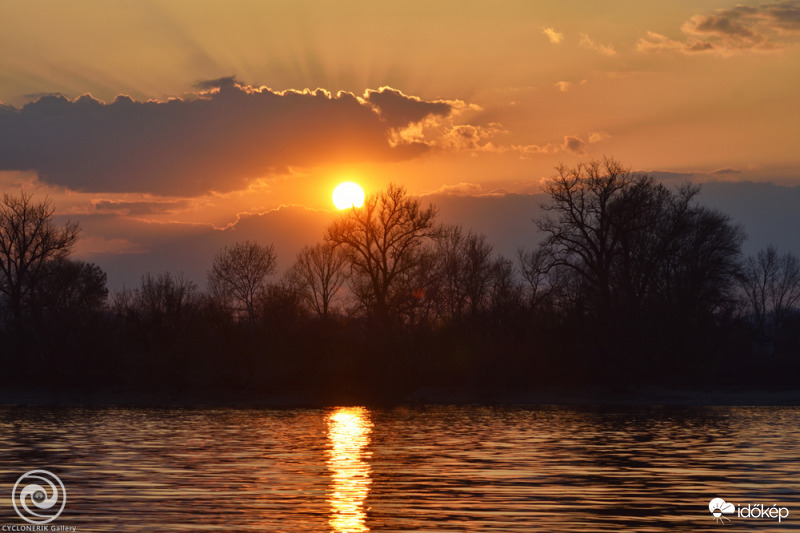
(348, 435)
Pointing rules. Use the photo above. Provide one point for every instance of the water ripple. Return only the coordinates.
(437, 469)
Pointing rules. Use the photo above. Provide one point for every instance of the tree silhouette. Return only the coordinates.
(634, 262)
(631, 240)
(771, 284)
(318, 276)
(71, 286)
(384, 241)
(581, 233)
(465, 268)
(159, 303)
(28, 241)
(239, 275)
(534, 267)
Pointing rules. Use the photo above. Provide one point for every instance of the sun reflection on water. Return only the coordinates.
(348, 435)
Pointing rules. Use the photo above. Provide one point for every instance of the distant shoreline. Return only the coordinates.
(644, 397)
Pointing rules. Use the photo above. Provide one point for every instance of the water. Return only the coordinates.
(435, 469)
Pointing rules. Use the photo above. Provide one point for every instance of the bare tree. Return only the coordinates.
(465, 267)
(29, 239)
(505, 291)
(699, 275)
(159, 302)
(383, 241)
(535, 269)
(577, 221)
(631, 240)
(771, 283)
(239, 275)
(318, 276)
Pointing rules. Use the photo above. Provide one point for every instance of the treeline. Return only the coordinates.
(633, 284)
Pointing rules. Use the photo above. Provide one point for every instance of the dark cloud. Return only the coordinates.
(139, 208)
(574, 144)
(216, 140)
(692, 175)
(698, 46)
(767, 27)
(216, 83)
(36, 96)
(731, 22)
(399, 110)
(785, 15)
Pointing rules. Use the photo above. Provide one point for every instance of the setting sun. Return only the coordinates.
(348, 194)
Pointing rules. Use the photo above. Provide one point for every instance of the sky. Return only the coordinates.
(171, 128)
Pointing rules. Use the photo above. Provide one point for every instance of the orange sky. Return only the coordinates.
(484, 97)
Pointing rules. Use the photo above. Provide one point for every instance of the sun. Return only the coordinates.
(347, 195)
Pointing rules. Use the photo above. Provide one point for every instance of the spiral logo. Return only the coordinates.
(36, 496)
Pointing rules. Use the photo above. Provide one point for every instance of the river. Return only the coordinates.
(353, 469)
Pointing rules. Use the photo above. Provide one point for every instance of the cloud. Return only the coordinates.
(697, 176)
(597, 136)
(452, 132)
(218, 139)
(139, 208)
(726, 171)
(470, 137)
(397, 109)
(555, 36)
(729, 31)
(574, 144)
(36, 96)
(530, 150)
(90, 247)
(571, 143)
(656, 42)
(589, 44)
(460, 189)
(563, 86)
(216, 83)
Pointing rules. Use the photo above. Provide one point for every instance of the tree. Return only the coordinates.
(239, 275)
(581, 233)
(318, 276)
(71, 286)
(505, 291)
(632, 241)
(534, 268)
(29, 239)
(771, 284)
(465, 269)
(637, 261)
(383, 241)
(158, 301)
(697, 279)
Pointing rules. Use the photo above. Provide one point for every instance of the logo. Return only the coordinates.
(719, 508)
(36, 497)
